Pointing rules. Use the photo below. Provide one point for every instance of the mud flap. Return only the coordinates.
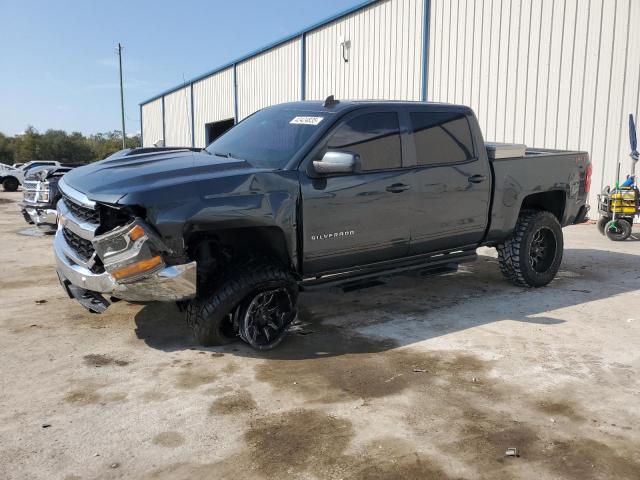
(92, 301)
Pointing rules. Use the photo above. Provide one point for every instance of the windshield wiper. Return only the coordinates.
(235, 156)
(228, 155)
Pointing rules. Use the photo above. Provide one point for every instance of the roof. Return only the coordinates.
(269, 46)
(342, 105)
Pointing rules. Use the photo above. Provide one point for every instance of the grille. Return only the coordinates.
(29, 191)
(83, 213)
(82, 247)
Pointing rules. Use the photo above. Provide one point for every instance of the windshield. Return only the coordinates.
(268, 138)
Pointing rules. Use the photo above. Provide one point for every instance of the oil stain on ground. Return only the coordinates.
(300, 442)
(234, 404)
(99, 360)
(89, 393)
(334, 365)
(168, 439)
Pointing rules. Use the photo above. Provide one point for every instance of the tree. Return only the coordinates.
(61, 146)
(27, 146)
(6, 149)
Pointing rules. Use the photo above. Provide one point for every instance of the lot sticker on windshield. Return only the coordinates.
(306, 120)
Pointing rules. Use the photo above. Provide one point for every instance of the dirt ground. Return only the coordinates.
(418, 378)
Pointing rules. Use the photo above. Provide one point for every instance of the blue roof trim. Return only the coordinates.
(271, 45)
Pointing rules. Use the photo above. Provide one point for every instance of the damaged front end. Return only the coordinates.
(37, 205)
(103, 254)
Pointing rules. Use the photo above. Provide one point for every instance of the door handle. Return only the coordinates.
(398, 187)
(477, 178)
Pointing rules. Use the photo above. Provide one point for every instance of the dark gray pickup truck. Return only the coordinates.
(306, 194)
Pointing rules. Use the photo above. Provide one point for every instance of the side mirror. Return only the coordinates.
(335, 162)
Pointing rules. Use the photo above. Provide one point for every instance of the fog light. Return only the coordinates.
(137, 268)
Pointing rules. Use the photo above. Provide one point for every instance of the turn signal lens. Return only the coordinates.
(136, 232)
(137, 268)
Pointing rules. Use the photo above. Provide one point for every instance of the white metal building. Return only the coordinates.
(548, 73)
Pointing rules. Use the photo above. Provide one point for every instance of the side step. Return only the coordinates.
(438, 264)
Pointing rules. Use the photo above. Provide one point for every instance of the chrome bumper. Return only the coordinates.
(45, 219)
(177, 282)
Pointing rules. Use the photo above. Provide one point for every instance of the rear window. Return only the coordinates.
(373, 136)
(442, 138)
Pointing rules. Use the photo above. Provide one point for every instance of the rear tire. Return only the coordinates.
(531, 256)
(618, 230)
(10, 184)
(602, 223)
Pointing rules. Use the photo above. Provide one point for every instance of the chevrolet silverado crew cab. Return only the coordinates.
(306, 194)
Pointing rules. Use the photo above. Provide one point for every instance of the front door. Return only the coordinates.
(358, 218)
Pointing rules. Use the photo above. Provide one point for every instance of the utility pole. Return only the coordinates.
(124, 136)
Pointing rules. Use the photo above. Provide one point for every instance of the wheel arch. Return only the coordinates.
(238, 242)
(553, 201)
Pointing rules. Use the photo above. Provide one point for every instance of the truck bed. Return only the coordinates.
(537, 171)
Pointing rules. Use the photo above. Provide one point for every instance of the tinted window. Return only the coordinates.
(268, 138)
(442, 137)
(373, 136)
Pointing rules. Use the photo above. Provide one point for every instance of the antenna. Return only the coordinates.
(330, 101)
(124, 135)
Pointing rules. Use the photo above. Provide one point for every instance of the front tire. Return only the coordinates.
(216, 319)
(210, 322)
(10, 184)
(531, 257)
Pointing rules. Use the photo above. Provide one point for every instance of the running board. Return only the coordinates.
(437, 262)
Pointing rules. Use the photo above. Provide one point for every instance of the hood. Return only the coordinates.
(111, 179)
(45, 173)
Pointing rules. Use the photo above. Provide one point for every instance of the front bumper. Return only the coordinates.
(45, 219)
(173, 283)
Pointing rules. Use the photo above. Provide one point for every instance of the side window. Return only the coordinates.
(373, 136)
(441, 137)
(36, 164)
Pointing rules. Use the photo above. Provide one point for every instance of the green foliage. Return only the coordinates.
(61, 146)
(6, 149)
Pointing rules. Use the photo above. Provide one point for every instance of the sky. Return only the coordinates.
(58, 62)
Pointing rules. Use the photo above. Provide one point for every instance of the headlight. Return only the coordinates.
(42, 192)
(130, 252)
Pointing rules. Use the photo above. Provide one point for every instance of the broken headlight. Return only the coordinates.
(130, 252)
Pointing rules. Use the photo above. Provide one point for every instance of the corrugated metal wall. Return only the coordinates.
(548, 73)
(269, 78)
(212, 102)
(151, 122)
(385, 56)
(177, 119)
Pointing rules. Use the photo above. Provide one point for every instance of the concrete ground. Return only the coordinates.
(415, 379)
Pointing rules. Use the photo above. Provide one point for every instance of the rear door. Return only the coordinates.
(357, 218)
(451, 182)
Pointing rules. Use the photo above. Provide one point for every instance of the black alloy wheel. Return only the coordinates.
(542, 250)
(265, 317)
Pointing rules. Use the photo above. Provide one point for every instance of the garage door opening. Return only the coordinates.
(215, 129)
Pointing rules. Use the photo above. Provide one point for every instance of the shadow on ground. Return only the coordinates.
(329, 322)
